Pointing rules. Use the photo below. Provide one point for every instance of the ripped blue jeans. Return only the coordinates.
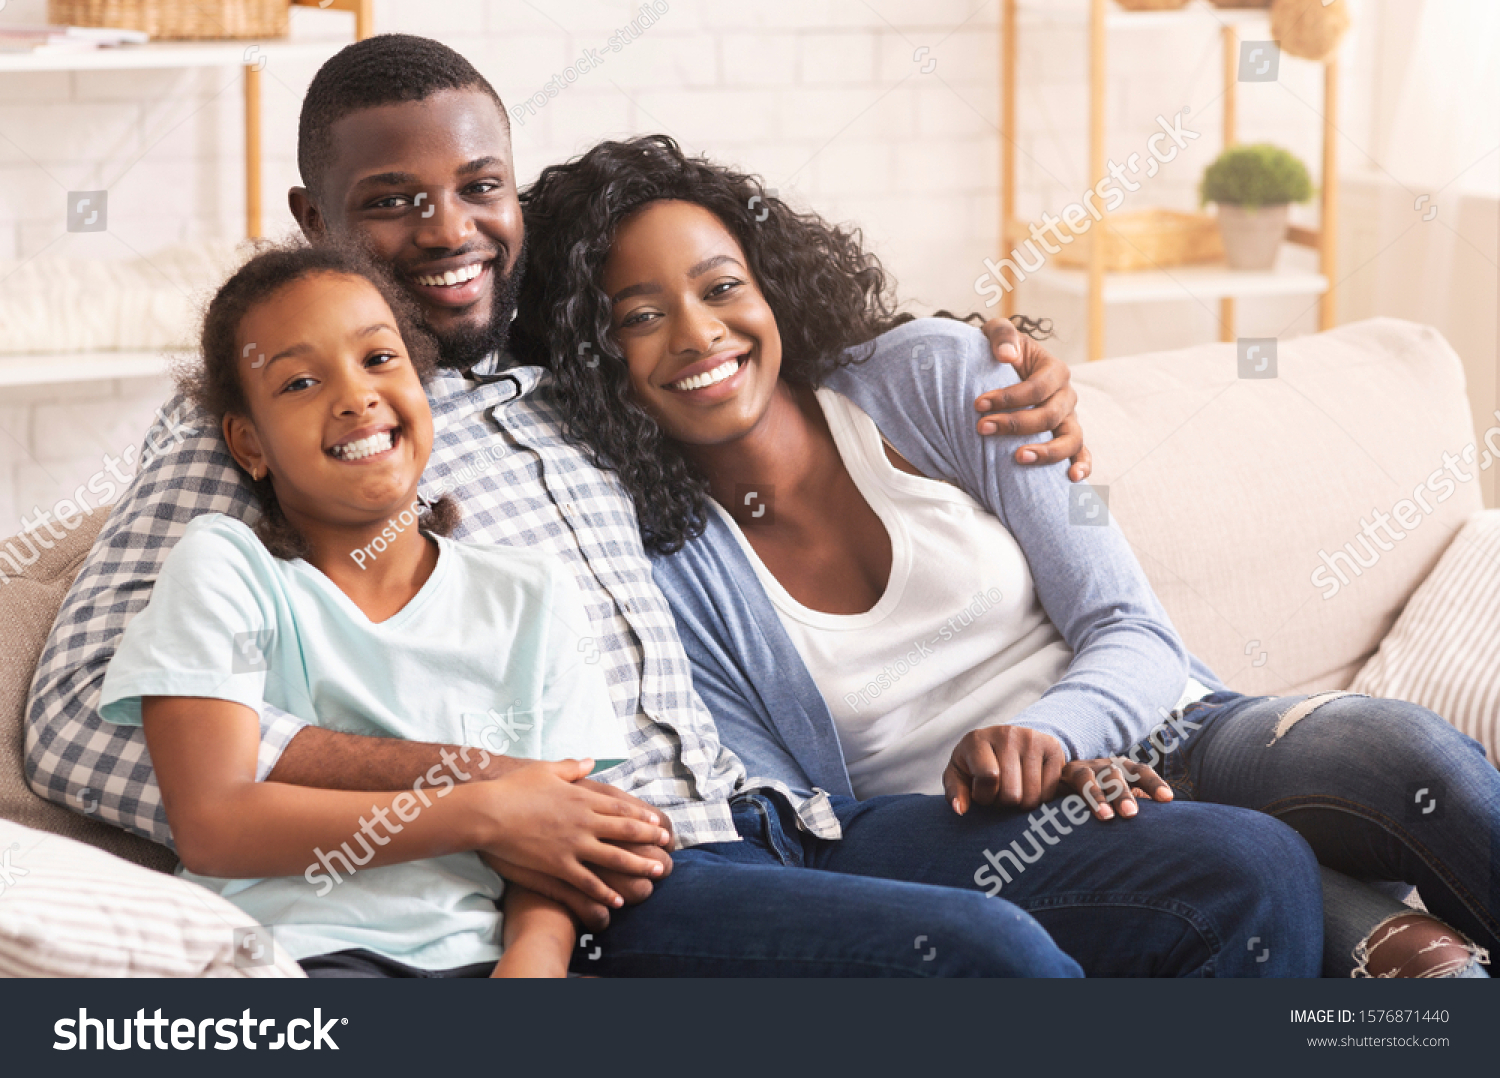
(1385, 792)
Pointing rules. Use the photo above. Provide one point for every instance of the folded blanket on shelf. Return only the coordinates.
(152, 303)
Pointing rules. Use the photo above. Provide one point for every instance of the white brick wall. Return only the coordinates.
(53, 438)
(827, 99)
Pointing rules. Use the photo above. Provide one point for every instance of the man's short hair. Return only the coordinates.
(381, 70)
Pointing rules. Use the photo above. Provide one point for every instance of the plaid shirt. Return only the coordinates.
(498, 448)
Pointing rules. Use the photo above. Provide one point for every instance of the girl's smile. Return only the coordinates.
(366, 444)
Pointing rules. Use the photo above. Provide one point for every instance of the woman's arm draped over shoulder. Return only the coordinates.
(1128, 660)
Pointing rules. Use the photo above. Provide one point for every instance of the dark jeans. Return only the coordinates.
(1384, 791)
(1180, 890)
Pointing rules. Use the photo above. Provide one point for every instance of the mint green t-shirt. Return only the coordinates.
(493, 652)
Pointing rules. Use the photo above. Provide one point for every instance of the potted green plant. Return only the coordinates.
(1253, 186)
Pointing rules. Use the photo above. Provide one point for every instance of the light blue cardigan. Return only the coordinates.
(919, 387)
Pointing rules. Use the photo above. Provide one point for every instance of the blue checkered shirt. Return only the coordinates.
(498, 448)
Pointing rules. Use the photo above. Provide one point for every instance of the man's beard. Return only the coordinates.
(462, 347)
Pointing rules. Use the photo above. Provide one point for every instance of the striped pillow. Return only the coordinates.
(1444, 650)
(68, 909)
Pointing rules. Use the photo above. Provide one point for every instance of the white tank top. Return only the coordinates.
(958, 641)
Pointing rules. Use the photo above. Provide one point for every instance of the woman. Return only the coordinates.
(969, 640)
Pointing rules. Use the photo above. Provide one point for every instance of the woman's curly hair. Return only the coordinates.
(828, 294)
(213, 383)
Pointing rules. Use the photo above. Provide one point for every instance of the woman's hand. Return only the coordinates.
(1009, 766)
(540, 819)
(1112, 784)
(1045, 395)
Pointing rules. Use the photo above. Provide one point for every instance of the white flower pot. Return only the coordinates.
(1252, 237)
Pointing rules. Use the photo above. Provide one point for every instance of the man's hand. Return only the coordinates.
(539, 817)
(1111, 785)
(631, 887)
(1047, 396)
(1008, 766)
(590, 914)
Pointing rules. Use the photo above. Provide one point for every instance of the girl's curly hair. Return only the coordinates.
(830, 298)
(213, 384)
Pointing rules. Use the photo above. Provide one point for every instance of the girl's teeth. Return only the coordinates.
(709, 378)
(451, 277)
(365, 447)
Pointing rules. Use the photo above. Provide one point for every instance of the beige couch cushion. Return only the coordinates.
(28, 605)
(1229, 488)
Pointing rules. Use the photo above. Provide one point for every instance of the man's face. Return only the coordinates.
(429, 188)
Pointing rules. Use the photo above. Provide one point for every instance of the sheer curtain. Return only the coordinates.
(1422, 215)
(1438, 119)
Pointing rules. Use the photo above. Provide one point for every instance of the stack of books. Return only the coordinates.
(53, 39)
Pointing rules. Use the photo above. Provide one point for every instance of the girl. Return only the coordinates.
(346, 606)
(964, 640)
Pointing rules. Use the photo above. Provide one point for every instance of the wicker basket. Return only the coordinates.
(1151, 5)
(177, 20)
(1147, 239)
(1311, 29)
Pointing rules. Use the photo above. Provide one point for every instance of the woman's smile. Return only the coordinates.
(713, 379)
(699, 338)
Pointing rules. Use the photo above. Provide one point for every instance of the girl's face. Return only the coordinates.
(338, 416)
(699, 338)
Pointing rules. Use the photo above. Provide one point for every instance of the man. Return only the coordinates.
(405, 148)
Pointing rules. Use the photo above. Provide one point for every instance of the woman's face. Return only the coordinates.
(338, 415)
(699, 338)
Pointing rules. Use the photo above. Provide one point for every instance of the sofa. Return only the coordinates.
(1228, 489)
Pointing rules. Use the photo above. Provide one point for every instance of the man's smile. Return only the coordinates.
(452, 284)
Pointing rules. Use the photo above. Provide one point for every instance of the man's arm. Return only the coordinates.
(1044, 400)
(338, 761)
(229, 824)
(73, 756)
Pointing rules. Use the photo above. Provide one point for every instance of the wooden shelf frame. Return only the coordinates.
(364, 26)
(1101, 15)
(65, 367)
(227, 53)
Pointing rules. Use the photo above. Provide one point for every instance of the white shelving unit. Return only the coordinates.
(1099, 288)
(252, 56)
(168, 54)
(64, 367)
(1188, 282)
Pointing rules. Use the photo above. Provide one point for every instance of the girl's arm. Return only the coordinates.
(539, 936)
(226, 824)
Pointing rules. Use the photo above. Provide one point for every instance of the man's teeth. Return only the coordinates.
(452, 277)
(365, 447)
(709, 378)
